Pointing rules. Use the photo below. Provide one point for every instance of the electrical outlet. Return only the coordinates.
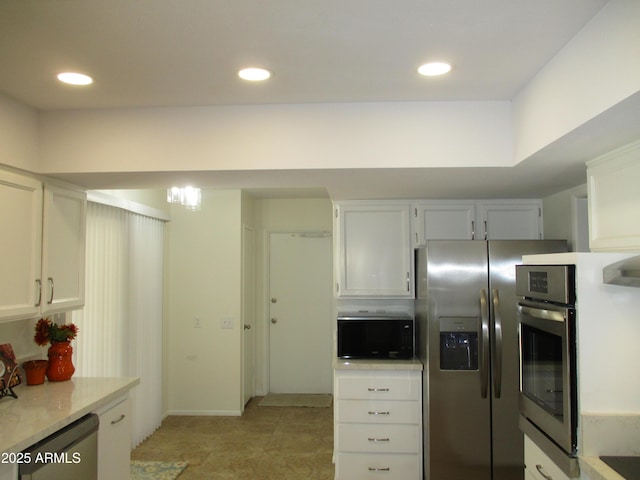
(227, 323)
(197, 323)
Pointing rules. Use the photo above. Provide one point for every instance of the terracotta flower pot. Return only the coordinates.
(60, 365)
(34, 371)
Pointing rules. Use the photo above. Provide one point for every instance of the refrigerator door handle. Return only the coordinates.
(484, 354)
(497, 344)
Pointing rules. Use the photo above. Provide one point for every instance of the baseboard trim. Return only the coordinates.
(206, 413)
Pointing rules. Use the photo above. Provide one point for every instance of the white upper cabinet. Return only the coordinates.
(43, 245)
(436, 220)
(374, 252)
(614, 199)
(509, 220)
(63, 249)
(375, 239)
(20, 241)
(476, 220)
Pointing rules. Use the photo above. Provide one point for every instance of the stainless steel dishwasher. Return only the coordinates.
(71, 452)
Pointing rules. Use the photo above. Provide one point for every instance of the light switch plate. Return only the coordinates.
(226, 323)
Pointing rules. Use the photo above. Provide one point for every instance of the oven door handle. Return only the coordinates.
(484, 354)
(497, 343)
(541, 313)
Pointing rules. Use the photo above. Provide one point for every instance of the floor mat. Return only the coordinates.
(156, 470)
(296, 400)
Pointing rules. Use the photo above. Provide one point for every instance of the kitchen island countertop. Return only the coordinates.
(366, 364)
(41, 410)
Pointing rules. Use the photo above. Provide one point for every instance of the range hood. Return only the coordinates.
(625, 272)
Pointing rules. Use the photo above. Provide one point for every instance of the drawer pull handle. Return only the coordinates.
(381, 469)
(373, 439)
(378, 389)
(379, 413)
(540, 469)
(118, 420)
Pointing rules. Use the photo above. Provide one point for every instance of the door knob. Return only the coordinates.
(274, 300)
(274, 320)
(247, 327)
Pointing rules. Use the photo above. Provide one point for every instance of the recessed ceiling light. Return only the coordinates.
(73, 78)
(434, 69)
(254, 74)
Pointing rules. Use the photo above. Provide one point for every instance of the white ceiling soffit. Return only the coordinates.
(557, 167)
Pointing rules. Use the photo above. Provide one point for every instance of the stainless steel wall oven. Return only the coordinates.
(547, 333)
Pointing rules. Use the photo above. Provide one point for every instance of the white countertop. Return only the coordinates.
(398, 365)
(613, 434)
(41, 410)
(596, 469)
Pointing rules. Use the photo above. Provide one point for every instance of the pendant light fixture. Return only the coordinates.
(188, 196)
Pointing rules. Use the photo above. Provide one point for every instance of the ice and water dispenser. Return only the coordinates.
(458, 343)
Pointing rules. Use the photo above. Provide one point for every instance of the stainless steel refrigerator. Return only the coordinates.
(467, 339)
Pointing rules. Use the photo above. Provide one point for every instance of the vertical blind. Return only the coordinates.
(120, 327)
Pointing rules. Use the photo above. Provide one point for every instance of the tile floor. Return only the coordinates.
(265, 443)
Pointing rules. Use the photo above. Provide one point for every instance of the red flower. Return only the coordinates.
(49, 332)
(42, 331)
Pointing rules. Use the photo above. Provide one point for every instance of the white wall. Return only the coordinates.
(359, 135)
(19, 334)
(280, 215)
(596, 70)
(565, 217)
(18, 135)
(204, 371)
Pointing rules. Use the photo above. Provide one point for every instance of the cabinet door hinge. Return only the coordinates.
(337, 287)
(336, 213)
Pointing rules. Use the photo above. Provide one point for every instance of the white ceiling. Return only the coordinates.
(187, 52)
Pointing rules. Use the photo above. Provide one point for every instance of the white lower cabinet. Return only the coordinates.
(114, 440)
(528, 476)
(385, 438)
(378, 425)
(365, 466)
(539, 466)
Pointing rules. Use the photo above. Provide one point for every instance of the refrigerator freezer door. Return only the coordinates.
(457, 419)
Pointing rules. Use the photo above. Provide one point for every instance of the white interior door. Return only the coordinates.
(300, 298)
(248, 313)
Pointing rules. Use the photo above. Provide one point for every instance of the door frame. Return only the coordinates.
(247, 230)
(266, 288)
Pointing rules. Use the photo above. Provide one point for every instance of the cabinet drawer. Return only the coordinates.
(535, 460)
(360, 466)
(379, 387)
(378, 411)
(357, 437)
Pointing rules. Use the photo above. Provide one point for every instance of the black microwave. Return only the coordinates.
(375, 335)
